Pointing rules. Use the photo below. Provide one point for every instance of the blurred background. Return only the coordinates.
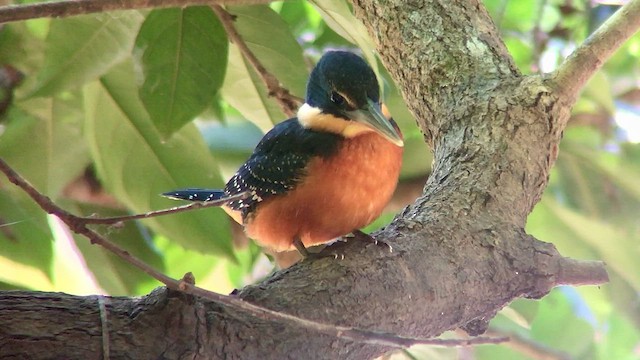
(104, 112)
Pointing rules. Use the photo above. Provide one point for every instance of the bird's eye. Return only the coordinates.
(337, 98)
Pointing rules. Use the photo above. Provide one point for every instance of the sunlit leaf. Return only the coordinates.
(620, 341)
(136, 165)
(243, 88)
(199, 264)
(521, 51)
(182, 56)
(21, 48)
(336, 13)
(83, 48)
(498, 352)
(113, 274)
(559, 327)
(513, 15)
(596, 182)
(56, 151)
(231, 143)
(245, 91)
(240, 274)
(300, 16)
(25, 241)
(271, 41)
(598, 90)
(575, 233)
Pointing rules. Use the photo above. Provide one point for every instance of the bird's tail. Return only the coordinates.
(203, 195)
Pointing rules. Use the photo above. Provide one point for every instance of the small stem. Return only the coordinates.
(78, 225)
(156, 213)
(288, 102)
(66, 8)
(588, 58)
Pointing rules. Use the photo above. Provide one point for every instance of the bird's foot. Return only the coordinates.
(360, 235)
(327, 252)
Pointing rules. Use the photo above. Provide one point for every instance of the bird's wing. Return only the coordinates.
(278, 163)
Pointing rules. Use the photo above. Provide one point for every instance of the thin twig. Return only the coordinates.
(583, 63)
(78, 226)
(173, 210)
(530, 348)
(66, 8)
(288, 102)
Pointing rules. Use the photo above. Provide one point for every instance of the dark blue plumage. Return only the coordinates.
(195, 194)
(322, 174)
(278, 163)
(275, 167)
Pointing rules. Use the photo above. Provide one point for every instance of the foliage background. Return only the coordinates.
(118, 107)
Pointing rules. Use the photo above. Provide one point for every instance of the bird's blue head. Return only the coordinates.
(343, 96)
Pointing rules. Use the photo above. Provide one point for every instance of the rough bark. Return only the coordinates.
(460, 251)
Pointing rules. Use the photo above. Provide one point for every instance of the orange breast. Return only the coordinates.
(341, 193)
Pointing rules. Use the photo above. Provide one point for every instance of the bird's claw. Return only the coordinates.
(338, 255)
(383, 243)
(364, 236)
(323, 255)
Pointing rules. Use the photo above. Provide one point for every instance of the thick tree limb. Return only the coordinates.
(569, 79)
(65, 8)
(79, 226)
(460, 251)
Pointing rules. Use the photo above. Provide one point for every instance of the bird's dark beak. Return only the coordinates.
(372, 116)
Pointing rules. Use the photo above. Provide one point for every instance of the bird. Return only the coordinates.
(325, 173)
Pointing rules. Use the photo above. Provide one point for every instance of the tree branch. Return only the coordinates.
(581, 272)
(78, 225)
(586, 60)
(288, 102)
(156, 213)
(460, 251)
(66, 8)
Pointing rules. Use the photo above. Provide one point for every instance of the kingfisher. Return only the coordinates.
(323, 174)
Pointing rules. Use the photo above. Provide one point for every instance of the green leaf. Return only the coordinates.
(269, 38)
(182, 54)
(513, 15)
(244, 90)
(136, 165)
(598, 90)
(20, 48)
(299, 15)
(558, 326)
(113, 274)
(522, 52)
(497, 352)
(597, 183)
(83, 48)
(338, 16)
(575, 235)
(241, 274)
(178, 261)
(620, 341)
(56, 152)
(26, 246)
